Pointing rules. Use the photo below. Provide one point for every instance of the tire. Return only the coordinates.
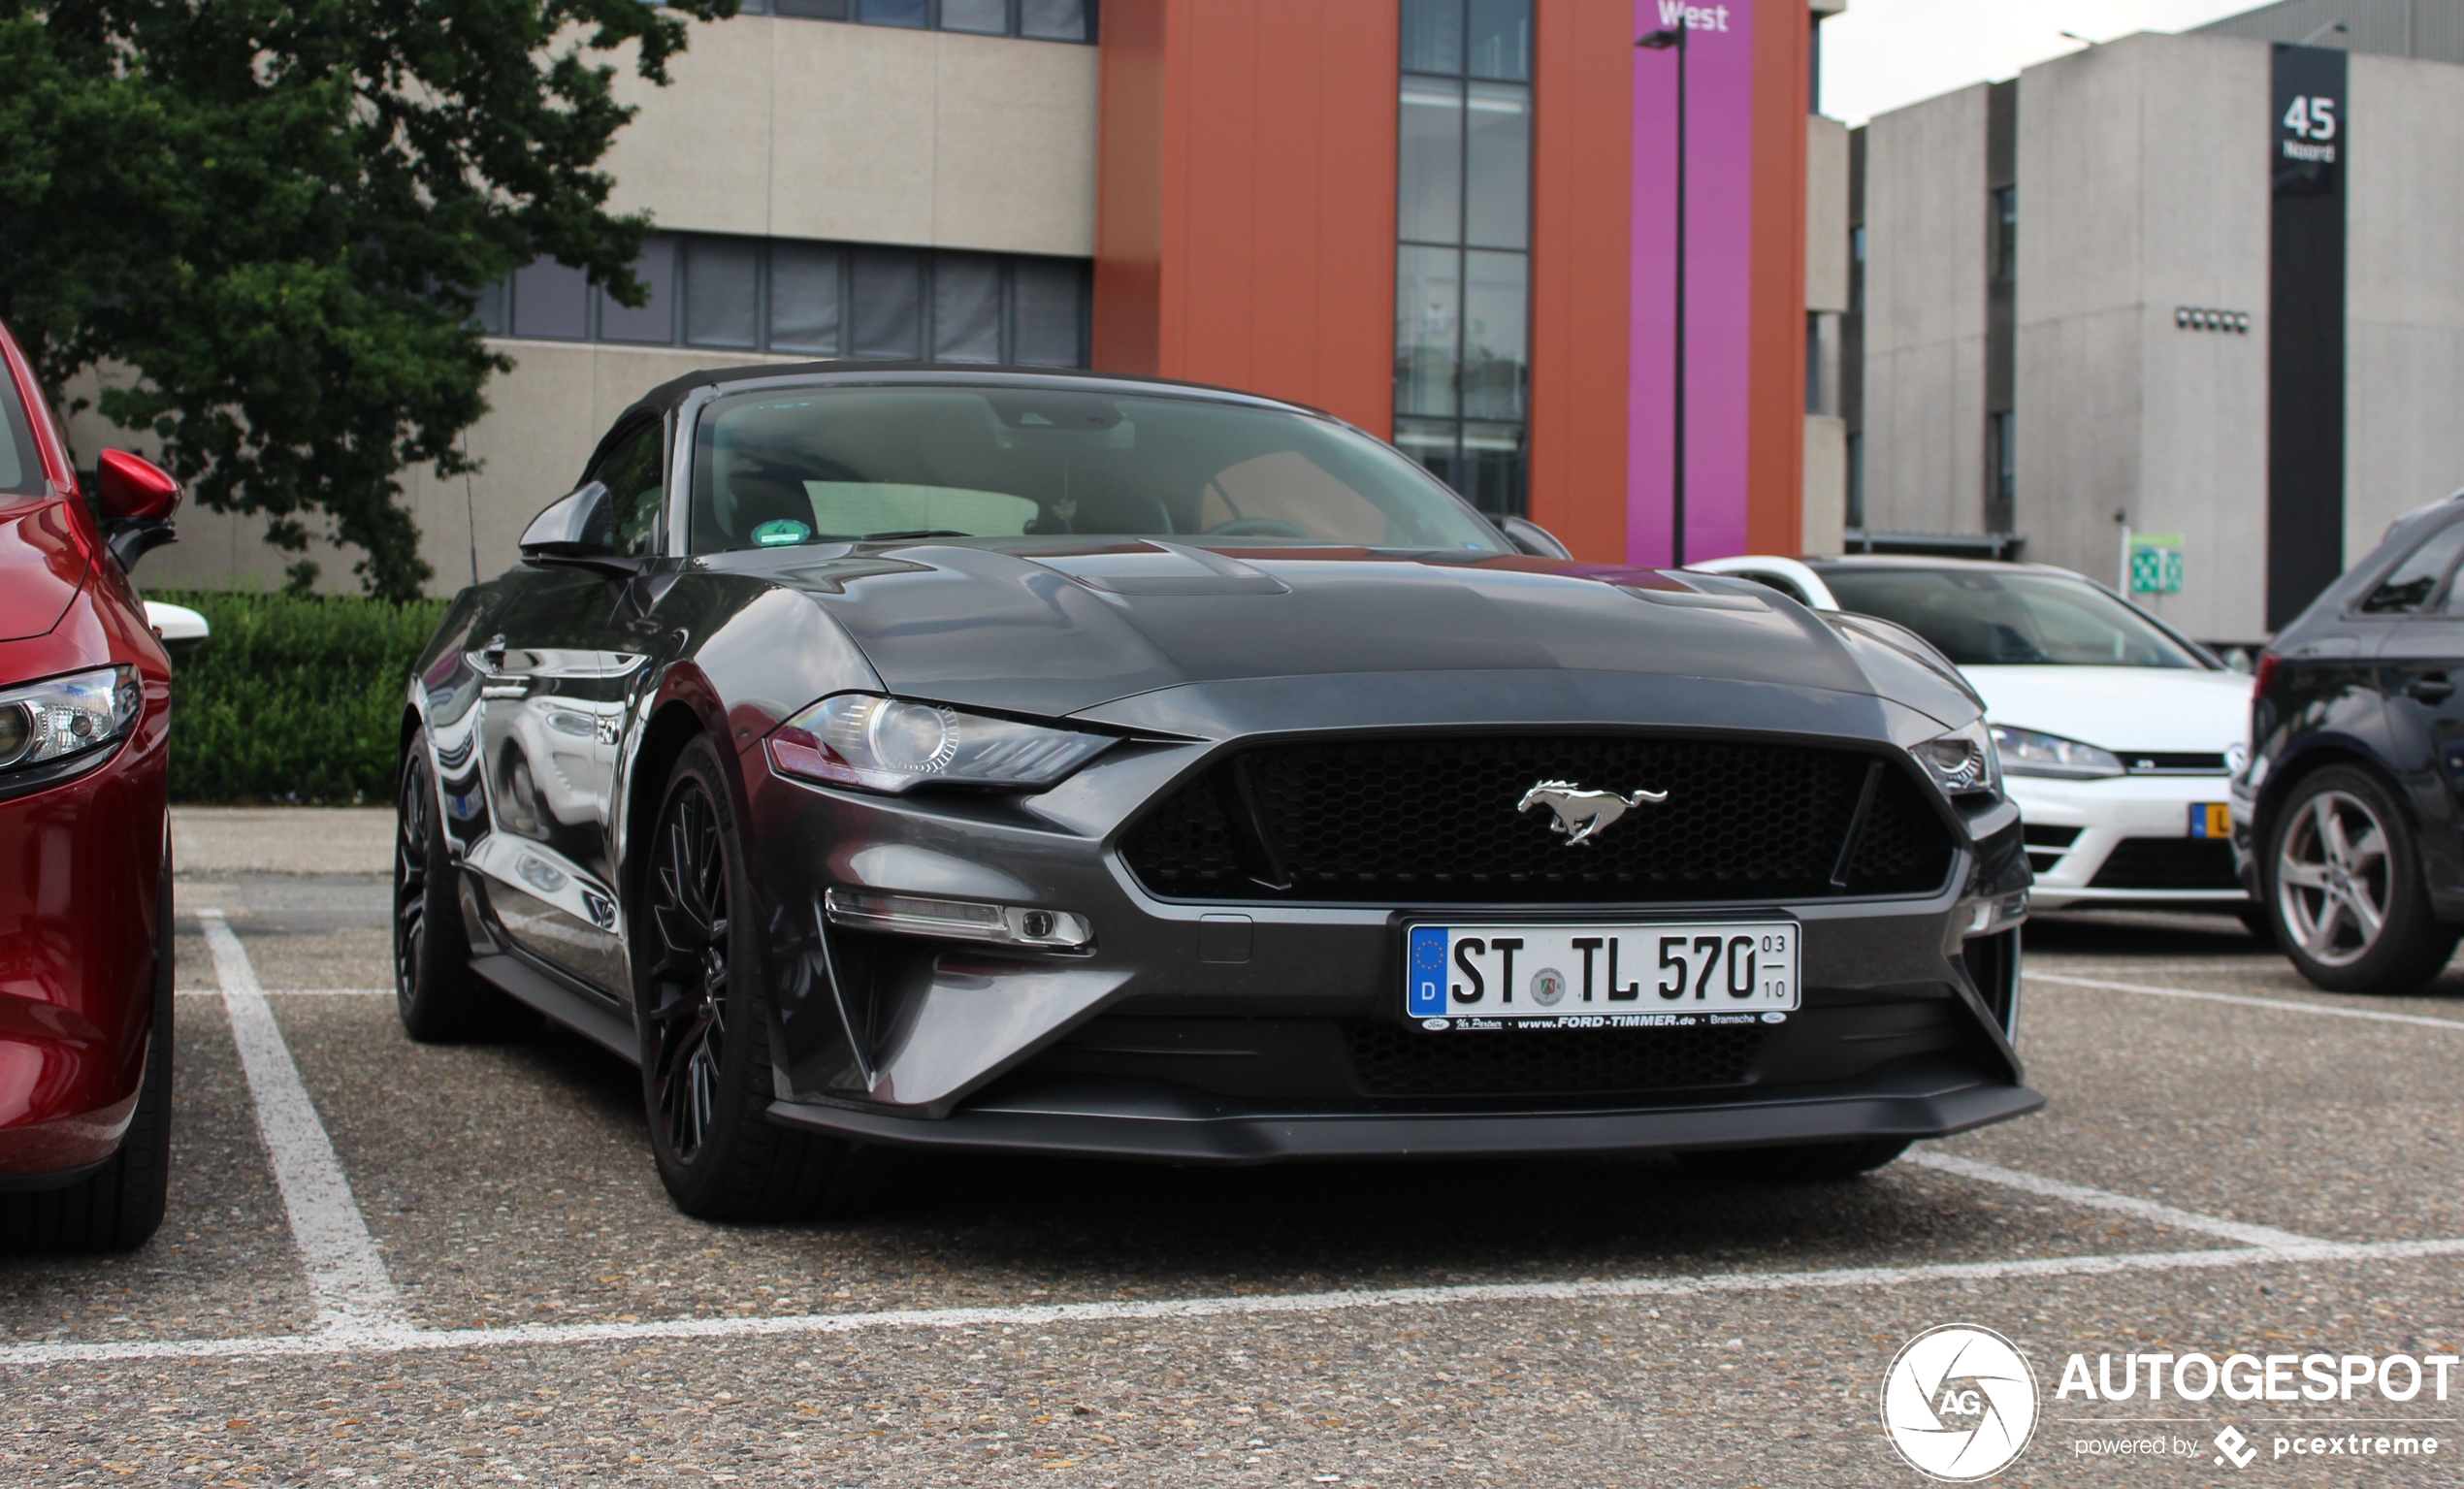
(439, 999)
(2346, 891)
(706, 1054)
(119, 1205)
(1805, 1163)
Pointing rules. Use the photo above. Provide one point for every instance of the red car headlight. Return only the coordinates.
(52, 720)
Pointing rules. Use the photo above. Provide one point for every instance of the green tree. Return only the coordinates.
(277, 215)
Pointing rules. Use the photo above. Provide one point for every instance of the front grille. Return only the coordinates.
(1400, 1060)
(2040, 835)
(2168, 864)
(1433, 820)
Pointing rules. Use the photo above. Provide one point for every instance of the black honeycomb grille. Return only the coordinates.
(1433, 820)
(2168, 864)
(1401, 1060)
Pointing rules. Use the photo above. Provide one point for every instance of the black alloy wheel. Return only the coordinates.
(435, 991)
(705, 1060)
(2346, 889)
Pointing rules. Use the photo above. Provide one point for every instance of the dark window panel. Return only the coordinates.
(1428, 313)
(1493, 469)
(967, 307)
(655, 320)
(1433, 36)
(887, 312)
(891, 12)
(722, 291)
(813, 10)
(1429, 163)
(1056, 21)
(989, 17)
(1048, 300)
(752, 6)
(1497, 210)
(495, 310)
(1496, 298)
(551, 301)
(1500, 44)
(804, 309)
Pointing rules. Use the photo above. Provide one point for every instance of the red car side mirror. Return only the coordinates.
(132, 488)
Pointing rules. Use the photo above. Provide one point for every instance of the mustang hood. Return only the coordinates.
(1056, 631)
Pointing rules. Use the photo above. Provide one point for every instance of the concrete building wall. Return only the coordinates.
(2143, 187)
(1826, 505)
(1925, 315)
(2404, 332)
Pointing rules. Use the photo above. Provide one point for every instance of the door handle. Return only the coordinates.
(2430, 688)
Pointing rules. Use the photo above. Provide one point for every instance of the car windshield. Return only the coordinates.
(1980, 619)
(834, 465)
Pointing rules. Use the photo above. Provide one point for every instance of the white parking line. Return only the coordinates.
(294, 992)
(347, 1281)
(2119, 1204)
(2286, 1005)
(1042, 1314)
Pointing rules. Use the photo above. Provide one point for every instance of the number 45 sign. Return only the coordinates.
(2156, 563)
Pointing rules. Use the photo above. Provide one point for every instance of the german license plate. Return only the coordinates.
(2210, 819)
(1629, 975)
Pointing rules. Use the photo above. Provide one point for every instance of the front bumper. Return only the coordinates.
(2150, 813)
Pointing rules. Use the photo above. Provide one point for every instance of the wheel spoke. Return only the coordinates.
(2306, 876)
(2332, 830)
(2356, 903)
(2369, 848)
(2322, 931)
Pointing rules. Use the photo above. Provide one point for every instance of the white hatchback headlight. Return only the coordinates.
(2026, 752)
(1962, 761)
(890, 744)
(49, 721)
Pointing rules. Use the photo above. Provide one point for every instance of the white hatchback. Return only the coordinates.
(2118, 735)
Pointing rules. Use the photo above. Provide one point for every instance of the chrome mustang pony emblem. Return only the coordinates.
(1583, 815)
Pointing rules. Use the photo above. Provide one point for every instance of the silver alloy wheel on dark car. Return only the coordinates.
(2332, 877)
(2346, 889)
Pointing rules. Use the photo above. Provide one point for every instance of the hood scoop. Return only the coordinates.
(1160, 569)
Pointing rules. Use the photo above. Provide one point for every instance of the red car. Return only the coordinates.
(86, 961)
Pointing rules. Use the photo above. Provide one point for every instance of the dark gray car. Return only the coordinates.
(884, 755)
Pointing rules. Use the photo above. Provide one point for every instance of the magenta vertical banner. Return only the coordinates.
(1719, 63)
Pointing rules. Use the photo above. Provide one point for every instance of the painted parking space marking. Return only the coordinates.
(346, 1278)
(2105, 1199)
(2286, 1005)
(293, 992)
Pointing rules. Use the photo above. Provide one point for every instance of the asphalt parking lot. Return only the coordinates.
(388, 1263)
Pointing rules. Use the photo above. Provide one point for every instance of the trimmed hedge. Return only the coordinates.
(294, 698)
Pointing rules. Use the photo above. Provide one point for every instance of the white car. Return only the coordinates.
(2118, 735)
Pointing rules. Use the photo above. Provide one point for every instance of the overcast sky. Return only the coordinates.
(1880, 54)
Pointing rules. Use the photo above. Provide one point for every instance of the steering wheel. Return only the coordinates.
(1258, 527)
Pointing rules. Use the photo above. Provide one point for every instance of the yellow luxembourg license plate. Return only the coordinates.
(2210, 819)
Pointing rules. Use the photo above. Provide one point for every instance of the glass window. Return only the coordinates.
(2411, 583)
(551, 301)
(967, 307)
(1429, 163)
(1981, 619)
(891, 12)
(653, 320)
(887, 287)
(1433, 36)
(1497, 166)
(495, 309)
(813, 10)
(20, 467)
(1047, 300)
(1499, 43)
(1492, 467)
(723, 291)
(2006, 233)
(1496, 303)
(1428, 303)
(839, 464)
(804, 299)
(634, 479)
(986, 16)
(1053, 20)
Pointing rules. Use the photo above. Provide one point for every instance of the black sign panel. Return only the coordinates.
(2308, 133)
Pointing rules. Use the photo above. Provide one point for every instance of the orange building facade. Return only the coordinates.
(1271, 170)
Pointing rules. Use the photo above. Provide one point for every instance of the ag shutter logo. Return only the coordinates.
(1960, 1403)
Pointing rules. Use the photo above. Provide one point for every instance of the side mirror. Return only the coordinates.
(577, 530)
(136, 498)
(1529, 538)
(179, 627)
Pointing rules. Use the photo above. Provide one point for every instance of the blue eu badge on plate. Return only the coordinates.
(1427, 997)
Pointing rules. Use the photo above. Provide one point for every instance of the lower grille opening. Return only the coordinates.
(1393, 1060)
(2168, 864)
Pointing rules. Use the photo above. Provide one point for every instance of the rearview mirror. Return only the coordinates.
(137, 499)
(577, 530)
(1529, 538)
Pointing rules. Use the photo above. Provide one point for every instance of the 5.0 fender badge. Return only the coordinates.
(1583, 815)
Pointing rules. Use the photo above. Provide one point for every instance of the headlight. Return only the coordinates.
(2026, 752)
(888, 744)
(49, 721)
(1962, 761)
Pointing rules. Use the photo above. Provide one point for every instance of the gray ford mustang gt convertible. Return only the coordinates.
(891, 757)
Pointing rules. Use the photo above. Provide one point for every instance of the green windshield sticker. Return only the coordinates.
(784, 532)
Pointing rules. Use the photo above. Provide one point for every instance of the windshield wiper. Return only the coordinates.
(885, 538)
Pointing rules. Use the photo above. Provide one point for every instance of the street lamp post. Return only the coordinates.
(1662, 41)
